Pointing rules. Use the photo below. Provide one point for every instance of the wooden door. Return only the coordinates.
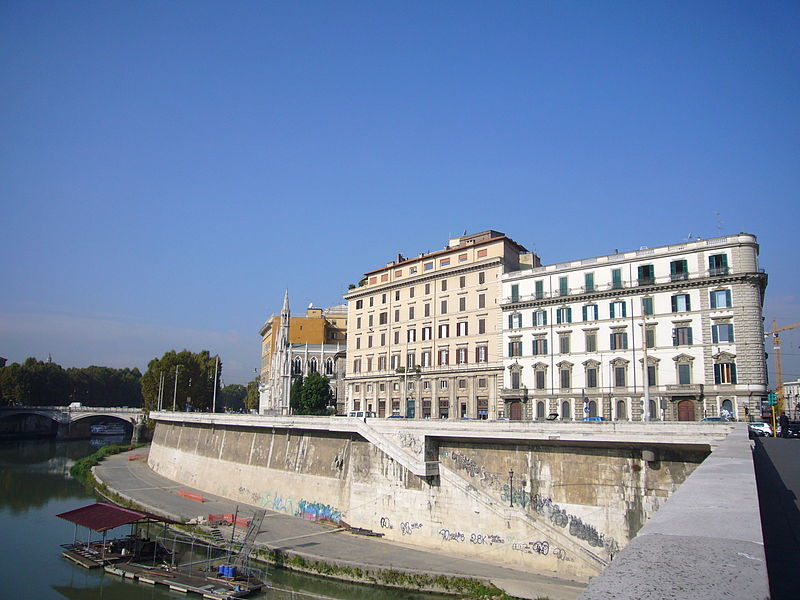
(515, 411)
(686, 410)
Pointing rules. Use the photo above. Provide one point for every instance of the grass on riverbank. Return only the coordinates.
(82, 469)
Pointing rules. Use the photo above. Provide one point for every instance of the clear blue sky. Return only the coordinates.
(167, 169)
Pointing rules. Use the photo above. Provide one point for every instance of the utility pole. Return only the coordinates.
(175, 391)
(214, 400)
(646, 405)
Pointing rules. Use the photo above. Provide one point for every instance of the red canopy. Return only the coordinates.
(102, 517)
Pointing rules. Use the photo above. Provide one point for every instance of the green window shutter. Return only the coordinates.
(611, 344)
(616, 278)
(624, 309)
(713, 299)
(733, 373)
(647, 305)
(730, 333)
(585, 313)
(511, 348)
(569, 315)
(674, 303)
(689, 337)
(589, 280)
(625, 340)
(611, 310)
(716, 374)
(673, 267)
(728, 298)
(715, 334)
(724, 258)
(688, 303)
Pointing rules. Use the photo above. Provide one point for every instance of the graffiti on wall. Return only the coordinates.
(543, 548)
(313, 511)
(407, 527)
(411, 442)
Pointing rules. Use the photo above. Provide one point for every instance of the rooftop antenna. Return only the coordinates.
(689, 237)
(720, 222)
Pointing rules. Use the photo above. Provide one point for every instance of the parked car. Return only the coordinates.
(760, 429)
(593, 419)
(713, 420)
(552, 417)
(361, 413)
(794, 430)
(395, 417)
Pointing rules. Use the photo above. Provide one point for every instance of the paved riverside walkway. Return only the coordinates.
(136, 481)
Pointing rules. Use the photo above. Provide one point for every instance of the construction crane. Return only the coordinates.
(776, 347)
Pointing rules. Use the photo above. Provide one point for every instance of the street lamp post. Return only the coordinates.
(175, 390)
(511, 487)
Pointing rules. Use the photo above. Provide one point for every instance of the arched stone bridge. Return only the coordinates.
(66, 421)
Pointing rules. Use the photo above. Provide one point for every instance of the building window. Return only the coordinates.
(382, 362)
(678, 270)
(395, 361)
(563, 287)
(684, 374)
(369, 320)
(681, 303)
(461, 328)
(427, 289)
(588, 282)
(650, 336)
(445, 262)
(620, 376)
(539, 379)
(359, 304)
(564, 377)
(410, 386)
(481, 278)
(412, 270)
(722, 334)
(411, 292)
(590, 312)
(383, 318)
(357, 365)
(725, 373)
(427, 266)
(515, 380)
(427, 310)
(538, 287)
(539, 318)
(443, 384)
(410, 360)
(651, 376)
(358, 322)
(426, 358)
(591, 377)
(540, 346)
(462, 303)
(329, 366)
(515, 348)
(481, 300)
(397, 295)
(515, 292)
(444, 285)
(369, 341)
(616, 279)
(427, 333)
(619, 340)
(718, 264)
(461, 356)
(397, 336)
(444, 307)
(564, 315)
(462, 281)
(618, 310)
(383, 339)
(444, 331)
(426, 385)
(646, 275)
(444, 355)
(563, 343)
(462, 384)
(515, 321)
(371, 301)
(647, 306)
(591, 341)
(383, 298)
(397, 315)
(411, 335)
(721, 299)
(369, 364)
(358, 343)
(481, 354)
(566, 411)
(462, 257)
(410, 313)
(481, 326)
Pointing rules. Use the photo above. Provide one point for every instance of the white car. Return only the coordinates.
(761, 429)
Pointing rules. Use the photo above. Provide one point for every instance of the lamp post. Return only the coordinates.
(175, 390)
(511, 487)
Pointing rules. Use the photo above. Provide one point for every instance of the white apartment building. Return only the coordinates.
(577, 335)
(424, 333)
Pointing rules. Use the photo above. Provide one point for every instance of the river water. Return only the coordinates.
(35, 486)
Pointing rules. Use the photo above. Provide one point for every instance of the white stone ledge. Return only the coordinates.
(704, 543)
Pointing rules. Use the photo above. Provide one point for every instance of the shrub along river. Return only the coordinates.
(35, 486)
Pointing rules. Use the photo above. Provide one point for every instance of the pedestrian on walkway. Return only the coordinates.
(783, 421)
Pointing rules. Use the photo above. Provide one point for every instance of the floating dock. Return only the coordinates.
(215, 588)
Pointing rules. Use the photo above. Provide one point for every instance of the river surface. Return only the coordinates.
(35, 486)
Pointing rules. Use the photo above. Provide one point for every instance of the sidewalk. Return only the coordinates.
(135, 481)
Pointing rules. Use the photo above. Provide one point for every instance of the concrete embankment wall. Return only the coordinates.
(575, 503)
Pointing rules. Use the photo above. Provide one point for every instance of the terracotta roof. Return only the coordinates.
(102, 517)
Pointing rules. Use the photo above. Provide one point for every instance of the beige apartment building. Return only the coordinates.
(424, 333)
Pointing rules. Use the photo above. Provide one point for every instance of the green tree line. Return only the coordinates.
(45, 383)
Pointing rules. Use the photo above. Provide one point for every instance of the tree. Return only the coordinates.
(314, 396)
(232, 397)
(251, 399)
(195, 380)
(295, 395)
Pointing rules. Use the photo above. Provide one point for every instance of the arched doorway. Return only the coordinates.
(653, 411)
(726, 409)
(686, 410)
(566, 412)
(515, 411)
(622, 410)
(540, 410)
(592, 408)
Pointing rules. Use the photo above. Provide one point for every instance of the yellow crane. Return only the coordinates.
(776, 347)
